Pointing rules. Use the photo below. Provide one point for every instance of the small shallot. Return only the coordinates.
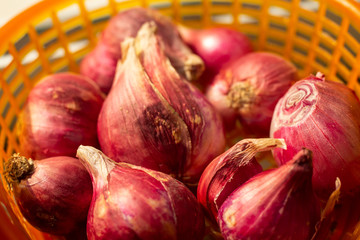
(126, 24)
(275, 204)
(53, 194)
(231, 169)
(323, 116)
(216, 46)
(131, 202)
(248, 89)
(60, 113)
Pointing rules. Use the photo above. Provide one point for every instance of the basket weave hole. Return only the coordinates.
(332, 16)
(78, 45)
(57, 54)
(221, 3)
(345, 63)
(222, 18)
(321, 61)
(303, 35)
(5, 60)
(160, 5)
(275, 41)
(306, 21)
(63, 69)
(300, 50)
(30, 57)
(354, 32)
(351, 50)
(190, 3)
(278, 26)
(191, 17)
(22, 42)
(249, 5)
(5, 143)
(326, 47)
(74, 30)
(92, 5)
(34, 75)
(278, 11)
(68, 13)
(101, 19)
(247, 19)
(329, 33)
(50, 42)
(340, 78)
(310, 5)
(43, 26)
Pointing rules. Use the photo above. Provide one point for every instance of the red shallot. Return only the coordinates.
(216, 46)
(100, 65)
(53, 194)
(249, 87)
(275, 204)
(152, 117)
(323, 116)
(131, 202)
(60, 113)
(231, 169)
(126, 24)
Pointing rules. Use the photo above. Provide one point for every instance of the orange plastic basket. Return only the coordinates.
(54, 36)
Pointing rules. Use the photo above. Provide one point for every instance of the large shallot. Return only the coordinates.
(152, 117)
(131, 202)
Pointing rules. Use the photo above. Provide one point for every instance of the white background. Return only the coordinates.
(10, 8)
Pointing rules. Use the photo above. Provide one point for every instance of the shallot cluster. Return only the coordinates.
(139, 145)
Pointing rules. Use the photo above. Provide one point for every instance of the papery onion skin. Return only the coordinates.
(249, 87)
(323, 116)
(131, 202)
(275, 204)
(126, 24)
(54, 194)
(100, 66)
(231, 169)
(60, 113)
(170, 126)
(340, 217)
(216, 46)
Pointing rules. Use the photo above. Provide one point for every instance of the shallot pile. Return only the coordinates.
(176, 133)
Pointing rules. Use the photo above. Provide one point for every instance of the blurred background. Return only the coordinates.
(9, 9)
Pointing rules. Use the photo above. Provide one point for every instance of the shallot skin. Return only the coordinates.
(131, 202)
(275, 204)
(60, 113)
(322, 116)
(248, 88)
(56, 196)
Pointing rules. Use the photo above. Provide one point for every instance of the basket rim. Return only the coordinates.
(11, 29)
(15, 25)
